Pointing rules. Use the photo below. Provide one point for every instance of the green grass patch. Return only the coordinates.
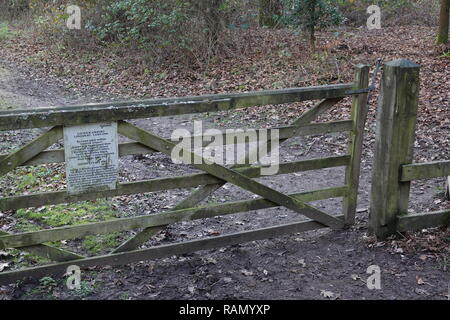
(85, 290)
(70, 214)
(41, 178)
(98, 244)
(44, 178)
(46, 287)
(124, 296)
(47, 284)
(24, 259)
(446, 54)
(5, 32)
(73, 214)
(27, 180)
(23, 225)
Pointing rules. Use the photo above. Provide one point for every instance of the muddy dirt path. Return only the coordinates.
(312, 265)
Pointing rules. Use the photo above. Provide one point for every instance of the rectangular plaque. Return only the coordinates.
(92, 157)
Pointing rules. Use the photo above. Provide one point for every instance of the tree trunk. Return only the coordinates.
(268, 9)
(213, 16)
(312, 38)
(443, 22)
(312, 24)
(447, 188)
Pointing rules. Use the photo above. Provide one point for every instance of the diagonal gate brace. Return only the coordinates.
(232, 176)
(205, 191)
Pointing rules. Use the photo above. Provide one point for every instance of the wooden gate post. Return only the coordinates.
(447, 188)
(394, 142)
(359, 117)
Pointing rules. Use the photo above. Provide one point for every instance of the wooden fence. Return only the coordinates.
(215, 175)
(393, 169)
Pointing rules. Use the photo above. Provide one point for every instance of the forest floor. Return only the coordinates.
(320, 264)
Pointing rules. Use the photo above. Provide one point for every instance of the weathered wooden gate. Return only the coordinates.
(215, 175)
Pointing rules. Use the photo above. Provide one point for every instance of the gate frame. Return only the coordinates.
(216, 176)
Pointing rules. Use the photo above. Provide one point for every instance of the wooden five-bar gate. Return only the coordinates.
(392, 173)
(215, 176)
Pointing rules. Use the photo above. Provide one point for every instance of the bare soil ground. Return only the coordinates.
(321, 264)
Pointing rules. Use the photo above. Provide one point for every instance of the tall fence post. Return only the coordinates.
(394, 143)
(359, 117)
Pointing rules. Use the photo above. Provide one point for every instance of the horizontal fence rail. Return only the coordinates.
(418, 221)
(49, 252)
(427, 170)
(154, 220)
(94, 113)
(161, 184)
(134, 148)
(165, 250)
